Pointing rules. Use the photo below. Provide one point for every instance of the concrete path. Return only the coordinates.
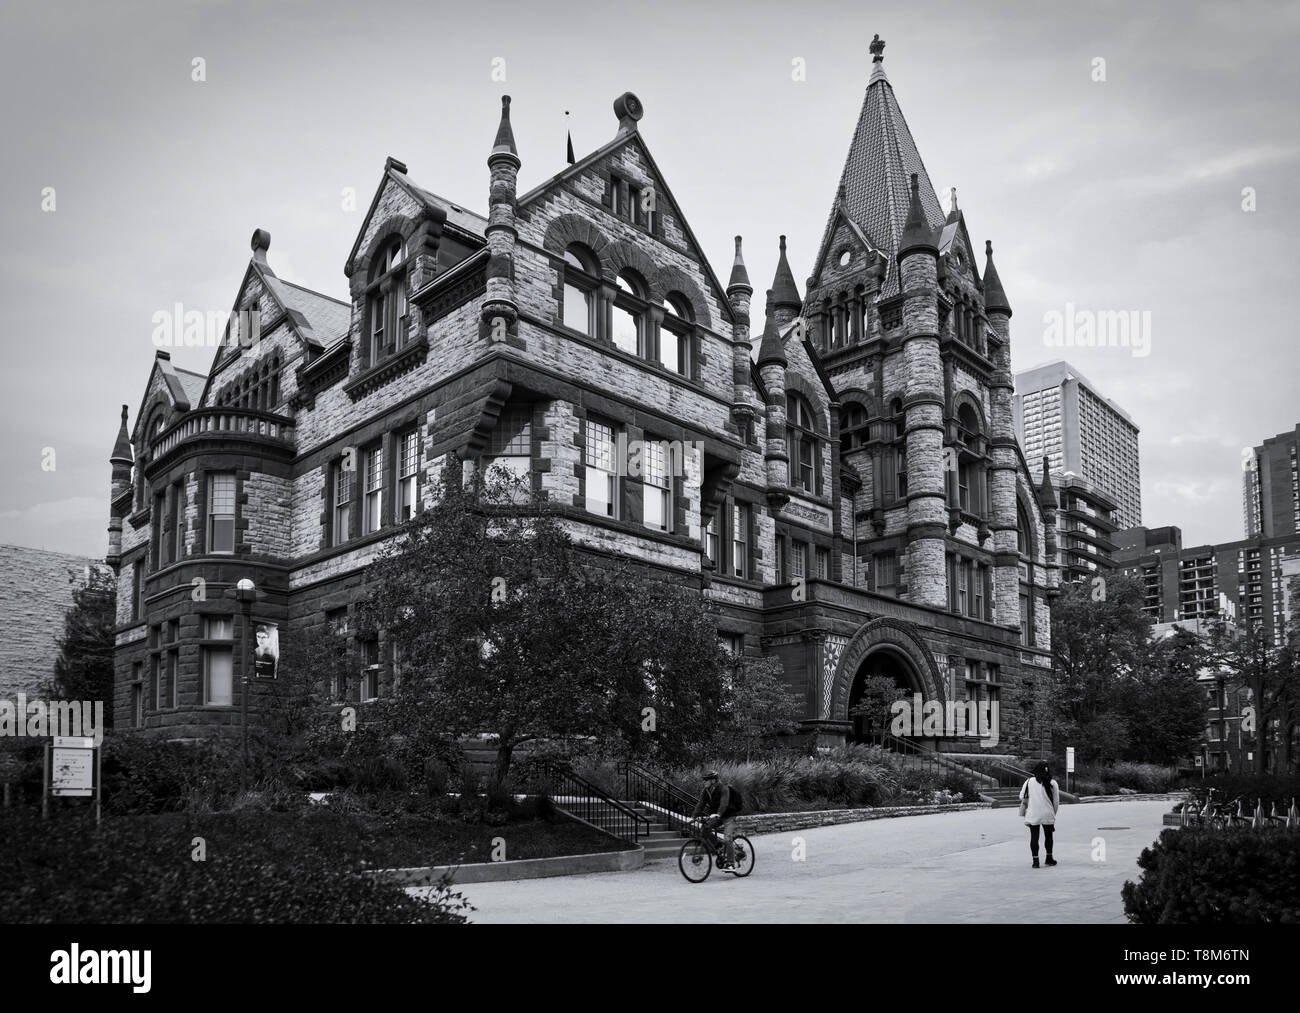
(971, 866)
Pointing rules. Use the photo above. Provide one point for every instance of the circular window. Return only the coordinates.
(845, 257)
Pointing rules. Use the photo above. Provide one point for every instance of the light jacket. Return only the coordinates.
(1042, 808)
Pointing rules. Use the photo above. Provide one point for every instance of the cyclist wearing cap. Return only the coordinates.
(721, 803)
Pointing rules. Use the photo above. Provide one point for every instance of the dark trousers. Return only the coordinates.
(1047, 839)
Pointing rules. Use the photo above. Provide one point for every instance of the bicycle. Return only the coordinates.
(703, 850)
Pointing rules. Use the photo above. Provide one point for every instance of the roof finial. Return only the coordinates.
(954, 198)
(877, 48)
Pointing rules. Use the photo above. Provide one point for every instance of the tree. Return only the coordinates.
(876, 702)
(1099, 638)
(508, 629)
(308, 665)
(1270, 674)
(1163, 705)
(758, 705)
(84, 668)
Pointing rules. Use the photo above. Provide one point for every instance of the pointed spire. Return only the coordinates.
(995, 299)
(739, 276)
(1046, 491)
(917, 236)
(785, 293)
(505, 140)
(122, 447)
(770, 348)
(569, 137)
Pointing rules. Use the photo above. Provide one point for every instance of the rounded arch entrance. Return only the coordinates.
(890, 648)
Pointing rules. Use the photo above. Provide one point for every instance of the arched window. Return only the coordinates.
(386, 303)
(675, 334)
(581, 275)
(801, 445)
(629, 313)
(853, 426)
(969, 489)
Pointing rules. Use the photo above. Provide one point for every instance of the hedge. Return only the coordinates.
(1196, 877)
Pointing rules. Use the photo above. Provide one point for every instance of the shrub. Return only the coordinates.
(143, 774)
(1143, 777)
(1189, 877)
(141, 870)
(847, 777)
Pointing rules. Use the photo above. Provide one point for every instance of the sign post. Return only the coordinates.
(72, 768)
(1069, 765)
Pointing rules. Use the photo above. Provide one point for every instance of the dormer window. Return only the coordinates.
(386, 316)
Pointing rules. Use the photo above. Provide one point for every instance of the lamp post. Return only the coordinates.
(246, 593)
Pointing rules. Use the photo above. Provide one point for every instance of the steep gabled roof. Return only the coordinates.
(877, 172)
(624, 137)
(329, 317)
(192, 385)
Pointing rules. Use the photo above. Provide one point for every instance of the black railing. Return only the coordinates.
(579, 797)
(925, 759)
(670, 802)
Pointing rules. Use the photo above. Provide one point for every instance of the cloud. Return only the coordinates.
(75, 525)
(1241, 159)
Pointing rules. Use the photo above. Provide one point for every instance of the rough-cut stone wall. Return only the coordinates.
(36, 588)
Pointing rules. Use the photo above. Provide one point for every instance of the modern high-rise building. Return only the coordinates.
(1270, 487)
(1086, 529)
(1247, 580)
(1060, 415)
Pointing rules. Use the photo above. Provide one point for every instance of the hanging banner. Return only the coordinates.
(266, 650)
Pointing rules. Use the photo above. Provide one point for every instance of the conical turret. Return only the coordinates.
(786, 301)
(995, 299)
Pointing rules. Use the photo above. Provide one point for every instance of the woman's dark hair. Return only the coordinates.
(1043, 774)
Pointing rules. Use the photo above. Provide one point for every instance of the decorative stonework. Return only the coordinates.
(904, 638)
(834, 649)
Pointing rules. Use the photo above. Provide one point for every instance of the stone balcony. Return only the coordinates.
(223, 426)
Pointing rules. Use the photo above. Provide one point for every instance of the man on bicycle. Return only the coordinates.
(722, 804)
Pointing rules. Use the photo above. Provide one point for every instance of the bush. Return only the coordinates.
(1143, 777)
(1192, 877)
(847, 777)
(143, 870)
(144, 774)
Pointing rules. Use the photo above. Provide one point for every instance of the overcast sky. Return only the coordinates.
(1117, 194)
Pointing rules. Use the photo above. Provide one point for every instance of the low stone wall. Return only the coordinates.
(527, 868)
(773, 823)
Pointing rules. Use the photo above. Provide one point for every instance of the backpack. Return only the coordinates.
(737, 805)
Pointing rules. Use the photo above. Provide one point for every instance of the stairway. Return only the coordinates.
(1001, 797)
(664, 841)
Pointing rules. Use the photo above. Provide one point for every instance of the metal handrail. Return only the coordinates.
(581, 798)
(671, 801)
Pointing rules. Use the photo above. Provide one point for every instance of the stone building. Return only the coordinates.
(36, 592)
(861, 506)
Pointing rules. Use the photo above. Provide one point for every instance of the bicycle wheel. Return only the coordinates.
(695, 861)
(743, 852)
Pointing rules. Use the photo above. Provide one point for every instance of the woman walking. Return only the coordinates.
(1039, 799)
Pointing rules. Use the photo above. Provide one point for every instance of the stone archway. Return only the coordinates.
(896, 640)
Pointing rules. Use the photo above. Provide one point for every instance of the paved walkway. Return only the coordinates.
(968, 866)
